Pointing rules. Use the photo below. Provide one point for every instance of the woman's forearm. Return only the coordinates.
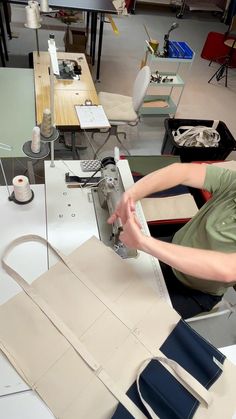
(167, 177)
(205, 264)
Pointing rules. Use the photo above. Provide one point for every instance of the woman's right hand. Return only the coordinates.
(123, 209)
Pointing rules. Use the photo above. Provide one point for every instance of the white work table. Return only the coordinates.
(30, 259)
(67, 220)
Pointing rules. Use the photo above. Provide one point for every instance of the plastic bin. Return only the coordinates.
(187, 154)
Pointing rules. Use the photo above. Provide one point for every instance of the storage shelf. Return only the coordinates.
(174, 88)
(156, 110)
(171, 60)
(177, 81)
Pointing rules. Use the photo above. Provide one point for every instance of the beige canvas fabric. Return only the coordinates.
(79, 334)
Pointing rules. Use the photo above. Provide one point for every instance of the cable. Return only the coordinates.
(88, 180)
(90, 143)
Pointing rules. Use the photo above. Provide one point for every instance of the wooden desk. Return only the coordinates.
(93, 8)
(67, 92)
(17, 109)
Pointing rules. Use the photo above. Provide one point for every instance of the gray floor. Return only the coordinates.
(121, 59)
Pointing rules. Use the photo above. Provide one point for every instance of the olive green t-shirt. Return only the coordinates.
(213, 227)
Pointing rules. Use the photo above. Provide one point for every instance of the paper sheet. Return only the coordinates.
(92, 116)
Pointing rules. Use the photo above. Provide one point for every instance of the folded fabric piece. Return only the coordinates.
(167, 397)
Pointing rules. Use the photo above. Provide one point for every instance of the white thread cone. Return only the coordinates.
(21, 188)
(44, 6)
(46, 128)
(31, 17)
(35, 4)
(35, 144)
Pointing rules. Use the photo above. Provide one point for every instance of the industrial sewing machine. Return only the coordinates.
(76, 213)
(106, 196)
(106, 192)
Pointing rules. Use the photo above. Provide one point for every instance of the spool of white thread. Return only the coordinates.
(44, 6)
(21, 188)
(31, 18)
(35, 4)
(35, 143)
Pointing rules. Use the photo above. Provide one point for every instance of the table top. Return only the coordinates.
(103, 6)
(67, 93)
(17, 109)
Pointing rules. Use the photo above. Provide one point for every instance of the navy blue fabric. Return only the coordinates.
(166, 396)
(159, 397)
(195, 355)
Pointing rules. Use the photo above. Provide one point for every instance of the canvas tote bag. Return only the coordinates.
(80, 333)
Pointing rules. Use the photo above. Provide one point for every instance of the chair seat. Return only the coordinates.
(117, 107)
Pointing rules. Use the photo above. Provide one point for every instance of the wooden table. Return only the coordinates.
(93, 9)
(67, 93)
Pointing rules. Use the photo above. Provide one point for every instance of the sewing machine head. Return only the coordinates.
(106, 197)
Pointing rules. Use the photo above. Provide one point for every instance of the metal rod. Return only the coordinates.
(52, 154)
(37, 41)
(4, 176)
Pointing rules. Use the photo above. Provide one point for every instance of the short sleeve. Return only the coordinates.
(218, 178)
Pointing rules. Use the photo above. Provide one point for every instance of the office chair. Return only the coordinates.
(230, 42)
(124, 110)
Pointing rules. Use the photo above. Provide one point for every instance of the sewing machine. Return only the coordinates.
(106, 196)
(76, 213)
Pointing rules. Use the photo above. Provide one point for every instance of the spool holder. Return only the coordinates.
(44, 150)
(13, 199)
(53, 137)
(36, 35)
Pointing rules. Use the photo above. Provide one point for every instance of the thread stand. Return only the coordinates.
(44, 150)
(13, 199)
(51, 140)
(36, 35)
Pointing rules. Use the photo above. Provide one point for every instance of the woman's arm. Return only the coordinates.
(188, 174)
(204, 264)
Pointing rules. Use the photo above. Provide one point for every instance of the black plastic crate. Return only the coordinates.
(187, 154)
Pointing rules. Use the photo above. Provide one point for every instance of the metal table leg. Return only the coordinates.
(102, 18)
(3, 36)
(7, 17)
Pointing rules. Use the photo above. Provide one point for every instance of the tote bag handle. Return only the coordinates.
(186, 379)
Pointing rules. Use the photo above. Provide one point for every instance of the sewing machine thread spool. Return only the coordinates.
(22, 194)
(36, 144)
(35, 5)
(44, 6)
(46, 128)
(31, 18)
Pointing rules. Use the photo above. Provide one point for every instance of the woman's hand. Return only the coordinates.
(132, 235)
(123, 209)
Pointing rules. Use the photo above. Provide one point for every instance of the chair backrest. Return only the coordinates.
(140, 87)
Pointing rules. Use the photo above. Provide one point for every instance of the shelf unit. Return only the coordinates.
(172, 90)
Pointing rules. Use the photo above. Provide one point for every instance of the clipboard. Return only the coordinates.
(92, 116)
